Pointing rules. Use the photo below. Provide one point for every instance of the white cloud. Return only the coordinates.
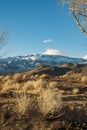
(47, 41)
(84, 57)
(54, 52)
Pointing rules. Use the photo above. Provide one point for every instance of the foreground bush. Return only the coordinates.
(84, 79)
(49, 101)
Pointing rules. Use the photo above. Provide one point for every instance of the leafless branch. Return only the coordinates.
(3, 39)
(79, 11)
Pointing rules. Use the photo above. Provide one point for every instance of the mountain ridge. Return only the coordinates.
(11, 65)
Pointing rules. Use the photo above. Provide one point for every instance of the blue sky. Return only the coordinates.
(40, 26)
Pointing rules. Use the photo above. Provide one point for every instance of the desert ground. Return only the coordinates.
(46, 98)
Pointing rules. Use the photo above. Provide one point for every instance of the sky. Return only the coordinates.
(40, 26)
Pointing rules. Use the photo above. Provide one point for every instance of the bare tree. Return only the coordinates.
(79, 12)
(3, 38)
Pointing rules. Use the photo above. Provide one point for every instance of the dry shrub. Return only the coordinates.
(75, 91)
(40, 83)
(53, 84)
(21, 102)
(24, 76)
(8, 85)
(6, 78)
(29, 85)
(84, 79)
(49, 97)
(17, 77)
(49, 100)
(33, 85)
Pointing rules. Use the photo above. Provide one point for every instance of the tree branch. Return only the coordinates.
(77, 21)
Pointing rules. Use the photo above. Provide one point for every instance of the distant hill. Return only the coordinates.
(68, 69)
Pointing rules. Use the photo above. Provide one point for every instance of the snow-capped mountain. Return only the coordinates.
(16, 64)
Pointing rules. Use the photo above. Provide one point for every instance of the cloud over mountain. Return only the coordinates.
(85, 57)
(54, 52)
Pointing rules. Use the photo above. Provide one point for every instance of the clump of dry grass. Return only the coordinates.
(24, 77)
(53, 84)
(75, 91)
(49, 100)
(17, 77)
(8, 85)
(84, 79)
(6, 78)
(22, 102)
(35, 85)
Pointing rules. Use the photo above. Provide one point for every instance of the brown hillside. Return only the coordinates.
(46, 98)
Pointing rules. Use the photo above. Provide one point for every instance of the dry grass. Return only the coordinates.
(84, 79)
(8, 85)
(35, 86)
(53, 84)
(44, 76)
(6, 78)
(49, 99)
(75, 91)
(17, 76)
(22, 102)
(40, 98)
